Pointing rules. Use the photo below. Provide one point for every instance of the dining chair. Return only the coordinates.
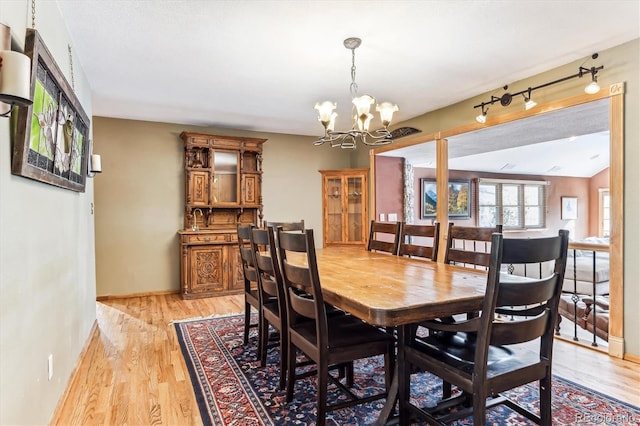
(269, 278)
(384, 237)
(469, 245)
(251, 293)
(328, 340)
(287, 226)
(495, 360)
(412, 235)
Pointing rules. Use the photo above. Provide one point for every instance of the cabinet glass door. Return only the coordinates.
(354, 209)
(225, 177)
(334, 209)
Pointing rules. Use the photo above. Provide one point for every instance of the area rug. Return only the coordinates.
(232, 389)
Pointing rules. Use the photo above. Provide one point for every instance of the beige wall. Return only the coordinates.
(622, 64)
(47, 276)
(140, 197)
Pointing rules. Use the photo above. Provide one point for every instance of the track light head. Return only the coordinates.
(482, 117)
(593, 87)
(528, 102)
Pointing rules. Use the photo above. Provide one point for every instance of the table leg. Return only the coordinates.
(392, 398)
(404, 332)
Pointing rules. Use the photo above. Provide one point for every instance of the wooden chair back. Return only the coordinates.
(263, 246)
(384, 236)
(482, 355)
(470, 245)
(287, 226)
(301, 280)
(330, 340)
(250, 278)
(409, 245)
(265, 254)
(530, 305)
(246, 258)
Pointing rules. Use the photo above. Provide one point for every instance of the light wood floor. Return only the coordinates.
(132, 371)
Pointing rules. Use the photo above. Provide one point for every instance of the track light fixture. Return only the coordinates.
(529, 103)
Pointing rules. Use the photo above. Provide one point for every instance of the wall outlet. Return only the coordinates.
(381, 217)
(50, 367)
(393, 217)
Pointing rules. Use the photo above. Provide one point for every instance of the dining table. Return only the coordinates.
(396, 292)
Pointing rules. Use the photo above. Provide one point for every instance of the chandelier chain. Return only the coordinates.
(33, 14)
(353, 88)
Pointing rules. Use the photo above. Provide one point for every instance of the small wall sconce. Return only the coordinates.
(94, 165)
(15, 74)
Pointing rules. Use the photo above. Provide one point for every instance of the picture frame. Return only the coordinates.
(52, 135)
(569, 208)
(459, 198)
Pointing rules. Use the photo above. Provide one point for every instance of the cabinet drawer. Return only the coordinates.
(209, 238)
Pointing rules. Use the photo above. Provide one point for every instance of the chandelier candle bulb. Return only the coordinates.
(15, 74)
(386, 110)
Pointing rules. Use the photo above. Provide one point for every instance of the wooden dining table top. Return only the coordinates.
(387, 290)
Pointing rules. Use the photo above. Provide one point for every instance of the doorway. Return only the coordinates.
(608, 107)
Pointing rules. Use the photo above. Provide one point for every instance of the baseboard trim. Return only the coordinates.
(632, 358)
(73, 378)
(131, 295)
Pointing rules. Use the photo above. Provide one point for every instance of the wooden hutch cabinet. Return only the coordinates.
(223, 181)
(344, 206)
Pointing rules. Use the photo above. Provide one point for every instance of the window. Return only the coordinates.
(514, 204)
(605, 213)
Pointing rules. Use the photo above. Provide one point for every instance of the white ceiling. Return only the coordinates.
(262, 65)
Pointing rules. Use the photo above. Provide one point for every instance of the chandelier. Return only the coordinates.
(359, 131)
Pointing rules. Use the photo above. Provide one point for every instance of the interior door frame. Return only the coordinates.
(615, 94)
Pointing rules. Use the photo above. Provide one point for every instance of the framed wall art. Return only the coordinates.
(459, 198)
(569, 208)
(52, 135)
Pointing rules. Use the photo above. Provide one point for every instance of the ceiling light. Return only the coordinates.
(593, 87)
(528, 102)
(359, 131)
(482, 118)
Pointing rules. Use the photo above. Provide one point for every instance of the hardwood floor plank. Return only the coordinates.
(132, 371)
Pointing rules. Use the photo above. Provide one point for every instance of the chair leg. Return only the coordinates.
(350, 375)
(446, 390)
(264, 342)
(284, 344)
(323, 382)
(480, 408)
(545, 400)
(291, 371)
(259, 327)
(389, 367)
(247, 323)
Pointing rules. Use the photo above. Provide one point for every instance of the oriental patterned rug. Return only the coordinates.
(232, 389)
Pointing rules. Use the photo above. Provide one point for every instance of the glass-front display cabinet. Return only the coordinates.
(344, 204)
